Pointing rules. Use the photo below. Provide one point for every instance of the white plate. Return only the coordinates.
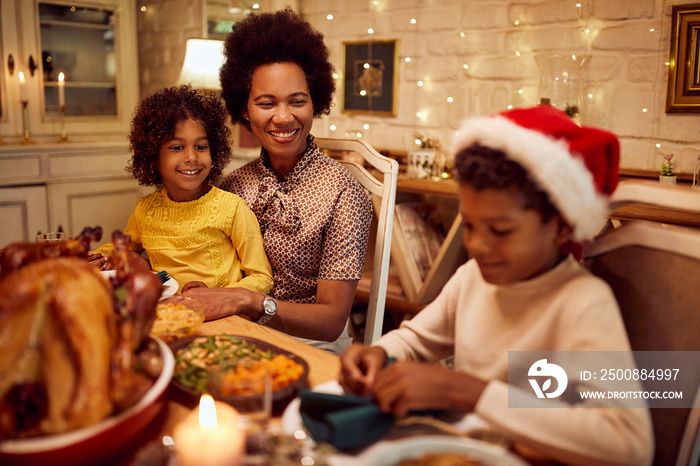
(292, 422)
(169, 288)
(291, 418)
(389, 453)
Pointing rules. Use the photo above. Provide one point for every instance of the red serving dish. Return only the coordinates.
(100, 442)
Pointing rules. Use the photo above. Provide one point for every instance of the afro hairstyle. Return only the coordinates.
(267, 38)
(155, 119)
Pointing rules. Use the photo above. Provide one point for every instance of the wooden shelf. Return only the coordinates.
(674, 216)
(406, 293)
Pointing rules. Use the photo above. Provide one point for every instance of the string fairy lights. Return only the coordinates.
(438, 97)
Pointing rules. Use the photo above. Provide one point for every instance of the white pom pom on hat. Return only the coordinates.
(576, 165)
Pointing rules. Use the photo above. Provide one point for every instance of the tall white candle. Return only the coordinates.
(22, 87)
(61, 90)
(209, 436)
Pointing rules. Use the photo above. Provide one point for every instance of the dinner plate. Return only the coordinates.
(390, 453)
(99, 442)
(382, 453)
(170, 287)
(280, 398)
(291, 418)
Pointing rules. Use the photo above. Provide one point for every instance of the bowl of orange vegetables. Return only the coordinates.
(211, 364)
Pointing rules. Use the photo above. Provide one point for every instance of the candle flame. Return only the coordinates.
(207, 412)
(21, 75)
(60, 76)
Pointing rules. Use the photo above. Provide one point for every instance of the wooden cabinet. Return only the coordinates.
(93, 43)
(24, 212)
(47, 186)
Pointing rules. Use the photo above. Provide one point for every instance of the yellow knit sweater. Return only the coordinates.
(214, 239)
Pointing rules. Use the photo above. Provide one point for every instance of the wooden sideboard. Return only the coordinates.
(70, 185)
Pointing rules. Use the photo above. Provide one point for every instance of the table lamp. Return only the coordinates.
(203, 58)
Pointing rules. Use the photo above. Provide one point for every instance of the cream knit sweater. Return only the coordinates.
(565, 309)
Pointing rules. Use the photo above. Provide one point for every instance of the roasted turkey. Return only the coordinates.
(69, 337)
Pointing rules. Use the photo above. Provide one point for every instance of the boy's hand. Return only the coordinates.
(360, 365)
(409, 386)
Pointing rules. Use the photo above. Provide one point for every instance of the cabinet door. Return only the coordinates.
(23, 212)
(93, 43)
(10, 106)
(107, 203)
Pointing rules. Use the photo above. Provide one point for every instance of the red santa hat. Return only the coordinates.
(576, 165)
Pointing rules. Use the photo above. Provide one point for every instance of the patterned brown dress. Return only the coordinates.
(315, 222)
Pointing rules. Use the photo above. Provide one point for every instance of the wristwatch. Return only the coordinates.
(269, 310)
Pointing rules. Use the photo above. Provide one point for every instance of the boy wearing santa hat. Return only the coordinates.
(531, 184)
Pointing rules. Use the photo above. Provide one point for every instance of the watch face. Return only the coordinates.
(269, 305)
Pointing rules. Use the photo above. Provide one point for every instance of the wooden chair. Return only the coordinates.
(383, 194)
(654, 271)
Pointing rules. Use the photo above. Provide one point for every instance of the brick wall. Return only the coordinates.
(626, 76)
(163, 29)
(624, 82)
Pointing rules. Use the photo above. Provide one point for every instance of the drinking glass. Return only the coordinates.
(251, 395)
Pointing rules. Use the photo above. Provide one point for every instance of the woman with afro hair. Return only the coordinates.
(201, 235)
(314, 216)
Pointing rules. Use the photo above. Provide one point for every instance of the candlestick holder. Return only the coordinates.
(62, 113)
(25, 122)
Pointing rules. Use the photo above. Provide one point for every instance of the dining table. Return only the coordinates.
(323, 367)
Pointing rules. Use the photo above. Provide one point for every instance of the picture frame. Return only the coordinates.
(370, 77)
(683, 94)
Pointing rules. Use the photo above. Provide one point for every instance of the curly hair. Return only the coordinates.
(485, 168)
(154, 120)
(278, 37)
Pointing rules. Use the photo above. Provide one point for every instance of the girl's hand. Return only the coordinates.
(193, 284)
(409, 386)
(97, 260)
(360, 365)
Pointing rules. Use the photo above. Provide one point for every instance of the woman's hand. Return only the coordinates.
(222, 302)
(408, 386)
(360, 365)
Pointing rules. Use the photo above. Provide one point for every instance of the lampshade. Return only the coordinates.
(203, 58)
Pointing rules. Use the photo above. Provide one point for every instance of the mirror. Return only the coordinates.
(223, 14)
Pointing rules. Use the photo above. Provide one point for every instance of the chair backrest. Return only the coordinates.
(384, 190)
(654, 271)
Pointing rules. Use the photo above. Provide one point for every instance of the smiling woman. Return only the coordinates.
(313, 214)
(280, 113)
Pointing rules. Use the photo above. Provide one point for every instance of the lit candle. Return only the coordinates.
(22, 87)
(209, 436)
(61, 90)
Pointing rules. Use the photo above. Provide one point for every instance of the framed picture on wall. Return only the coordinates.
(371, 77)
(683, 95)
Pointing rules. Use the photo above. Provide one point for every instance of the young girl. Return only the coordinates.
(530, 180)
(199, 234)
